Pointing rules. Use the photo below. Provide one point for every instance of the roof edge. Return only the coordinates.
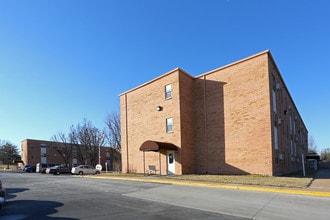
(155, 79)
(235, 62)
(183, 71)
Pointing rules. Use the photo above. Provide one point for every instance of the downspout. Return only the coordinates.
(160, 164)
(126, 133)
(144, 164)
(205, 127)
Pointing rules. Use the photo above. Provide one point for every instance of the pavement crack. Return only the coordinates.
(264, 206)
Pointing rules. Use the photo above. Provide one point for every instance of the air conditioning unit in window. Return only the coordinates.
(280, 156)
(279, 121)
(278, 86)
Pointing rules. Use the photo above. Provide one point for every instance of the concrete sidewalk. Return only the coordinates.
(321, 181)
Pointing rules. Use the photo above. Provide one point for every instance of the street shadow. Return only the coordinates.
(11, 192)
(30, 210)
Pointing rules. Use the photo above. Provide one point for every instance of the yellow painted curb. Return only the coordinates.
(221, 186)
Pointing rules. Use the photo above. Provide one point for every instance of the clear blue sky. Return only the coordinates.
(65, 60)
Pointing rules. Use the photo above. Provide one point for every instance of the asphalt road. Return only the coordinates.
(65, 197)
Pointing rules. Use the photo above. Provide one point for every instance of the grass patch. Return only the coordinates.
(122, 174)
(256, 180)
(4, 167)
(295, 180)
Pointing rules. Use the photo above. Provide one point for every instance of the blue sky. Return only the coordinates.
(65, 60)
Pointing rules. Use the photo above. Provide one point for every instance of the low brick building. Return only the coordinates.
(237, 119)
(42, 152)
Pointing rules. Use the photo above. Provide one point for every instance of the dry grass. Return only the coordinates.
(289, 181)
(4, 166)
(257, 180)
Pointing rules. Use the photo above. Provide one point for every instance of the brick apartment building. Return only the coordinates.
(237, 119)
(43, 152)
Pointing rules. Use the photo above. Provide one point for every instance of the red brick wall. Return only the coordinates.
(286, 159)
(31, 154)
(237, 137)
(187, 124)
(223, 121)
(140, 121)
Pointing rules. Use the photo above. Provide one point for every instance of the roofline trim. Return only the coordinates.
(234, 63)
(157, 78)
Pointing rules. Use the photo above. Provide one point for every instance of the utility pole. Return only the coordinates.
(100, 139)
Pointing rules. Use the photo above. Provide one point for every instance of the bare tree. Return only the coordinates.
(78, 151)
(90, 139)
(325, 154)
(62, 144)
(114, 134)
(312, 147)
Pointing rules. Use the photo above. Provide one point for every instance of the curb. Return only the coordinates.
(222, 186)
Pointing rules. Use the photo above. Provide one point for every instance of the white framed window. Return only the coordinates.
(168, 91)
(169, 125)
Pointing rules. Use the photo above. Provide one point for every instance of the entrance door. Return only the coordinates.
(170, 163)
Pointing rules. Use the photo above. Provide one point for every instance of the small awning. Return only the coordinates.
(156, 146)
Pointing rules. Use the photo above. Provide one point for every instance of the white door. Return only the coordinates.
(170, 163)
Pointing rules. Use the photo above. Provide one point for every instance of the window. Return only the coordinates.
(168, 91)
(275, 138)
(74, 152)
(290, 124)
(169, 125)
(170, 158)
(294, 126)
(274, 101)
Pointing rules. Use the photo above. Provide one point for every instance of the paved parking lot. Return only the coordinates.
(41, 196)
